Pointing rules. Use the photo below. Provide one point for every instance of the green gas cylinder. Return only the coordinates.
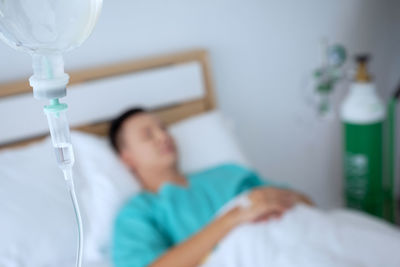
(363, 115)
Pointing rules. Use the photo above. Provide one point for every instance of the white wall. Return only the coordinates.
(261, 52)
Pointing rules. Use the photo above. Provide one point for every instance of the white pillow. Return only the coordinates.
(37, 208)
(206, 140)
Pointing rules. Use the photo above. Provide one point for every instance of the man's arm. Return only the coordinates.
(191, 252)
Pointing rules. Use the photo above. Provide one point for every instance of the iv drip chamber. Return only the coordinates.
(60, 134)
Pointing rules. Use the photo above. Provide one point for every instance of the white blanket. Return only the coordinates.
(308, 237)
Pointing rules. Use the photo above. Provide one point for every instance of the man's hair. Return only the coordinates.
(116, 126)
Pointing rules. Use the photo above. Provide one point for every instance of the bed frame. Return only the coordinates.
(169, 114)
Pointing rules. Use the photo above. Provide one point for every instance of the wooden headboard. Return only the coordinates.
(169, 113)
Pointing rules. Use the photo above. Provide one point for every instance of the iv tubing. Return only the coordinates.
(71, 188)
(60, 134)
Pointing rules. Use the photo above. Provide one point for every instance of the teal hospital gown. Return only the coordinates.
(151, 223)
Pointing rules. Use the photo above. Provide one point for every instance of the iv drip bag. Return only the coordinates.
(46, 29)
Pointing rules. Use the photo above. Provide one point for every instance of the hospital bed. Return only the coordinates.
(37, 226)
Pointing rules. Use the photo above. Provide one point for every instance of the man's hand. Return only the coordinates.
(267, 203)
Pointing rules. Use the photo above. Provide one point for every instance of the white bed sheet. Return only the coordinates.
(308, 237)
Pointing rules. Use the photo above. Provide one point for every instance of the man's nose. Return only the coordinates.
(162, 135)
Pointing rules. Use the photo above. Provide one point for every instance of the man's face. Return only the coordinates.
(145, 143)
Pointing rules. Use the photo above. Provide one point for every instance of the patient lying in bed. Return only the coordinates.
(173, 221)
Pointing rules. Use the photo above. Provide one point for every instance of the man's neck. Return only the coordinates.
(157, 178)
